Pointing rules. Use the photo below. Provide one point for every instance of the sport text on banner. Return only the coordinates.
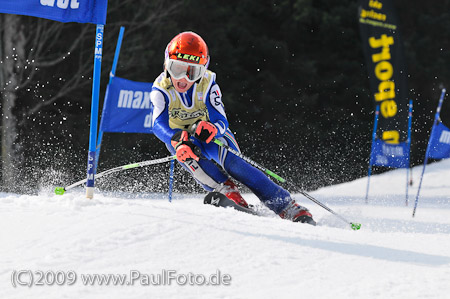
(390, 155)
(386, 68)
(80, 11)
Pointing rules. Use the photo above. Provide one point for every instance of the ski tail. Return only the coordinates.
(220, 200)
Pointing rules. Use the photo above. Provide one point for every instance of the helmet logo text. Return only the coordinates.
(188, 57)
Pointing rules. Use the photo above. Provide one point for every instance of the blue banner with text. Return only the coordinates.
(80, 11)
(127, 107)
(440, 142)
(390, 155)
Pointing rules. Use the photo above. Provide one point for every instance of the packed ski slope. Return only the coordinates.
(392, 256)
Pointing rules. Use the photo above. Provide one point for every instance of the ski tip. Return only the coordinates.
(60, 190)
(355, 226)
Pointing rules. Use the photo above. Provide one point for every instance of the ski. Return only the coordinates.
(219, 200)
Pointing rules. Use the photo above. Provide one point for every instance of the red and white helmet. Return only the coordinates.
(187, 57)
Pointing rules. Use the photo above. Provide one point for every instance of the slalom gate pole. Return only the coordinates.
(61, 190)
(112, 74)
(94, 111)
(436, 118)
(408, 164)
(374, 135)
(354, 226)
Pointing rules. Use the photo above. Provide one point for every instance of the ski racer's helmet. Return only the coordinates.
(187, 57)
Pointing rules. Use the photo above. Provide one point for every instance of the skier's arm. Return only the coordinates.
(216, 110)
(160, 120)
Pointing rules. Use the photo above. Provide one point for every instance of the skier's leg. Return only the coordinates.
(205, 172)
(272, 195)
(211, 177)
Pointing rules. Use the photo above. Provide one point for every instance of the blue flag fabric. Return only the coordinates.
(440, 142)
(390, 155)
(127, 107)
(80, 11)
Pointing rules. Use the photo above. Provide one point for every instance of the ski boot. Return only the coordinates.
(230, 190)
(297, 213)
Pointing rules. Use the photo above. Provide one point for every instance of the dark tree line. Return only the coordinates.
(292, 74)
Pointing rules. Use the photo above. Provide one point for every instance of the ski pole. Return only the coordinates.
(353, 225)
(61, 190)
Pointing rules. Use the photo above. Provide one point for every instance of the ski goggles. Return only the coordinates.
(181, 69)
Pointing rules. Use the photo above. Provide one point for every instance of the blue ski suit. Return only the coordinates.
(173, 112)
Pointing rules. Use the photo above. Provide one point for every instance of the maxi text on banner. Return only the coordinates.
(386, 69)
(80, 11)
(127, 107)
(440, 142)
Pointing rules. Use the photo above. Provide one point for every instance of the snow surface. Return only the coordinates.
(392, 256)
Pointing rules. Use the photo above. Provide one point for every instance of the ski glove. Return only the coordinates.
(185, 149)
(205, 131)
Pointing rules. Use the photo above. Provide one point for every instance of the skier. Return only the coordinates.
(188, 113)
